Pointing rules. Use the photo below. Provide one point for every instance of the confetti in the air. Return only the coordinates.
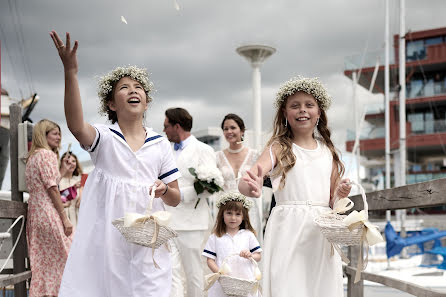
(123, 20)
(177, 7)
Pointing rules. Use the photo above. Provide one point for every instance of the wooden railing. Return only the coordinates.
(13, 209)
(426, 194)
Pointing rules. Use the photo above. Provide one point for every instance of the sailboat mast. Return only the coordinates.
(402, 97)
(402, 103)
(387, 100)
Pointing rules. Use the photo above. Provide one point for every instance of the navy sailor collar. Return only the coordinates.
(151, 136)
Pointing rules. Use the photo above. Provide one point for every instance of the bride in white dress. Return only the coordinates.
(235, 160)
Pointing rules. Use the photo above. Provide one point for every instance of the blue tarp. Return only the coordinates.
(395, 243)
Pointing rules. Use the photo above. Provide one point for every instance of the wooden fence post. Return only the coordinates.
(354, 290)
(15, 117)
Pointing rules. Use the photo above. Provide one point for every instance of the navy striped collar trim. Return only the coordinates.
(118, 133)
(123, 138)
(152, 138)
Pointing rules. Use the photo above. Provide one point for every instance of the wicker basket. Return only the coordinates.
(336, 231)
(237, 287)
(142, 233)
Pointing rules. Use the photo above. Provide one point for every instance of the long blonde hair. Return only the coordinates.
(39, 141)
(283, 136)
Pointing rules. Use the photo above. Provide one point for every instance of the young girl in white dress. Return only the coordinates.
(129, 159)
(306, 177)
(232, 234)
(233, 163)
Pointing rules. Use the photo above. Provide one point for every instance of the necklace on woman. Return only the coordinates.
(235, 151)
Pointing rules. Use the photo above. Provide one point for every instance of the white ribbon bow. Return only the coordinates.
(210, 279)
(372, 234)
(159, 217)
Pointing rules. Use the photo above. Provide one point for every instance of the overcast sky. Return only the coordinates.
(190, 52)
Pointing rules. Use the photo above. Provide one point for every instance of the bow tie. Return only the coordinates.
(178, 146)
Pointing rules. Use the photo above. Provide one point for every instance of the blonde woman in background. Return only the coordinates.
(70, 184)
(48, 228)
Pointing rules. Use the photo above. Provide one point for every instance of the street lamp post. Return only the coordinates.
(256, 55)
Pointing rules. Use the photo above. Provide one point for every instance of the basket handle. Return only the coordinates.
(361, 190)
(235, 254)
(152, 197)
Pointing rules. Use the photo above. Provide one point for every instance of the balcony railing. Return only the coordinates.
(427, 126)
(369, 133)
(417, 127)
(429, 88)
(358, 61)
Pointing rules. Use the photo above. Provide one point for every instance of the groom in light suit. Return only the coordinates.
(191, 223)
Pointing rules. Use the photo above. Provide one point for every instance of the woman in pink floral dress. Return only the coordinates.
(48, 228)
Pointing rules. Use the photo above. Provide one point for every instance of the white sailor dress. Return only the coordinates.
(101, 262)
(219, 248)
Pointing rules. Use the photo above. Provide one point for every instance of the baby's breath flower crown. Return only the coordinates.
(107, 81)
(311, 86)
(234, 196)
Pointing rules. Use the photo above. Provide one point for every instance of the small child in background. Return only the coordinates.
(232, 234)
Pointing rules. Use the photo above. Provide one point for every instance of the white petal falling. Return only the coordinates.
(177, 7)
(123, 20)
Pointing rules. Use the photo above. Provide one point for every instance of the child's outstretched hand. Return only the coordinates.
(254, 181)
(343, 189)
(245, 254)
(66, 53)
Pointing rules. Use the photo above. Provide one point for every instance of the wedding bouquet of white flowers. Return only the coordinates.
(207, 179)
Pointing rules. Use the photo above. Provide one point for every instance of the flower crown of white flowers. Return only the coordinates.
(107, 81)
(311, 86)
(234, 196)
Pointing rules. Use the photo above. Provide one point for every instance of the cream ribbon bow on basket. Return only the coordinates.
(159, 218)
(370, 233)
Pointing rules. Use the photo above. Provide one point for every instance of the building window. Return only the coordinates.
(429, 123)
(415, 50)
(416, 122)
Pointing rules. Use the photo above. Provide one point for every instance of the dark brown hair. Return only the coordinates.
(179, 116)
(235, 118)
(220, 226)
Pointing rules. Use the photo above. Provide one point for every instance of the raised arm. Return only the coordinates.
(252, 182)
(84, 132)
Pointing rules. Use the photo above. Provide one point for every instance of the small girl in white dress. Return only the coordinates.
(129, 159)
(232, 234)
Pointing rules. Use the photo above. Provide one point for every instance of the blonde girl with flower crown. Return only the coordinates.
(232, 234)
(129, 160)
(306, 175)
